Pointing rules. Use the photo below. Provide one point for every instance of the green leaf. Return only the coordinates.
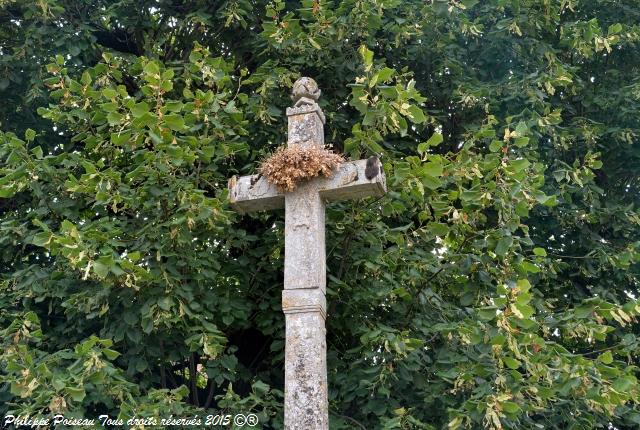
(438, 229)
(260, 388)
(114, 118)
(109, 93)
(165, 303)
(584, 311)
(167, 86)
(548, 201)
(152, 68)
(155, 137)
(116, 269)
(530, 267)
(520, 165)
(385, 74)
(171, 106)
(523, 285)
(174, 122)
(57, 382)
(110, 353)
(314, 43)
(369, 118)
(521, 129)
(77, 394)
(86, 78)
(134, 256)
(441, 7)
(503, 245)
(435, 139)
(510, 407)
(6, 192)
(606, 357)
(521, 142)
(147, 325)
(42, 239)
(624, 384)
(468, 4)
(511, 363)
(523, 298)
(431, 182)
(100, 269)
(487, 313)
(167, 74)
(120, 139)
(540, 252)
(141, 364)
(614, 29)
(495, 146)
(522, 310)
(130, 317)
(367, 57)
(498, 340)
(416, 115)
(109, 107)
(29, 135)
(432, 168)
(403, 126)
(37, 152)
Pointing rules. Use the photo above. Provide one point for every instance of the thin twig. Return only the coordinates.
(344, 255)
(354, 421)
(572, 256)
(258, 354)
(163, 374)
(173, 380)
(597, 351)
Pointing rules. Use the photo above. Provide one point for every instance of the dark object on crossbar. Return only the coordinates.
(373, 167)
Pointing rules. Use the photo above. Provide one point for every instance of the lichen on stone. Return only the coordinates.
(288, 166)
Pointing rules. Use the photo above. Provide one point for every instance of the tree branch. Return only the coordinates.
(352, 420)
(193, 376)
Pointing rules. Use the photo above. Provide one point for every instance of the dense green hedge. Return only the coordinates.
(493, 287)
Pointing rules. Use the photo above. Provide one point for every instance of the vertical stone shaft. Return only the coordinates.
(305, 396)
(303, 297)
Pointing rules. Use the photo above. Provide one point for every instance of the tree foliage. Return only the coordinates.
(494, 286)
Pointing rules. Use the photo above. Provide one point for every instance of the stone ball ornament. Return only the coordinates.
(305, 91)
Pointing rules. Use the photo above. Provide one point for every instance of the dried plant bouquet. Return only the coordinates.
(289, 166)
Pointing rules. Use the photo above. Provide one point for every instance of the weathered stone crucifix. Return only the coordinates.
(303, 297)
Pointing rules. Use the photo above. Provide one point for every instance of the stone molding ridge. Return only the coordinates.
(307, 109)
(305, 310)
(304, 301)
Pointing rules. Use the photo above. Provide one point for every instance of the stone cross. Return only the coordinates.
(303, 296)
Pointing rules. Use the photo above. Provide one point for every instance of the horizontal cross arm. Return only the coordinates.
(254, 193)
(350, 182)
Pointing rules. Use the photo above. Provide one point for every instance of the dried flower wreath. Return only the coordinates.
(288, 166)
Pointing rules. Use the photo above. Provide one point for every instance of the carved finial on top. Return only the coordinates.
(305, 92)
